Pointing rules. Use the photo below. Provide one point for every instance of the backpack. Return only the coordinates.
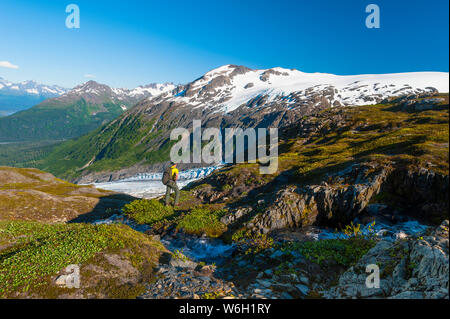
(166, 175)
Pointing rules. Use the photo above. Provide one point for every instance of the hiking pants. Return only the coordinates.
(172, 185)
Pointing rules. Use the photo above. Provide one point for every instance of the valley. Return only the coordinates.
(355, 186)
(73, 113)
(138, 140)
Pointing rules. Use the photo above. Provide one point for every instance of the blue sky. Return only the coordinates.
(128, 43)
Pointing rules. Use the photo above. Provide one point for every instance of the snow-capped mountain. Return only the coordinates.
(19, 96)
(226, 88)
(75, 112)
(94, 92)
(31, 87)
(233, 96)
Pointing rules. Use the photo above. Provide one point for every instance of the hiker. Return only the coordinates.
(169, 179)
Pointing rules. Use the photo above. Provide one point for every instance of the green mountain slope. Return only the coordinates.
(47, 121)
(121, 143)
(74, 113)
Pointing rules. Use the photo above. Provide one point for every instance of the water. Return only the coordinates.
(149, 185)
(215, 250)
(381, 230)
(197, 249)
(201, 249)
(122, 219)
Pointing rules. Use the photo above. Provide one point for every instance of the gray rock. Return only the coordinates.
(277, 254)
(175, 262)
(303, 289)
(412, 269)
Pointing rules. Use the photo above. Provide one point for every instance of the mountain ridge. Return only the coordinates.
(138, 140)
(75, 112)
(19, 96)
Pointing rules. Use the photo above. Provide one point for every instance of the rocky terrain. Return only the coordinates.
(33, 195)
(338, 165)
(309, 231)
(410, 269)
(355, 186)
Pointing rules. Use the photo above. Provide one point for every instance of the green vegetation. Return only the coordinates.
(354, 231)
(149, 212)
(25, 154)
(36, 252)
(178, 254)
(252, 243)
(378, 132)
(30, 194)
(198, 220)
(203, 220)
(345, 252)
(375, 132)
(56, 120)
(365, 133)
(122, 143)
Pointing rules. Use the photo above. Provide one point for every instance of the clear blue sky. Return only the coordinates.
(128, 43)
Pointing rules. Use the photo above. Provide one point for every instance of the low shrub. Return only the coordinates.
(203, 220)
(149, 212)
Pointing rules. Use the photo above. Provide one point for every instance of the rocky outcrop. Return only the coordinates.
(409, 269)
(422, 192)
(419, 193)
(336, 202)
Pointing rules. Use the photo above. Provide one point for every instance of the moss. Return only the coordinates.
(149, 212)
(227, 188)
(372, 132)
(203, 220)
(345, 252)
(36, 252)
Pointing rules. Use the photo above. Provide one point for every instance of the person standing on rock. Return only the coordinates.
(169, 179)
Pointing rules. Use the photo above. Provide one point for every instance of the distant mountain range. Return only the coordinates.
(19, 96)
(138, 140)
(74, 112)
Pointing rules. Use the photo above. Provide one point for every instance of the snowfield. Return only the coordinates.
(280, 84)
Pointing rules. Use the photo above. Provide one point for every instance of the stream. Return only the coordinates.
(211, 250)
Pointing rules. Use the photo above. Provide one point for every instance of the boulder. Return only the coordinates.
(417, 268)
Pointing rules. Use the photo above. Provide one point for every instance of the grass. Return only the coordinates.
(345, 252)
(190, 216)
(30, 194)
(382, 133)
(35, 252)
(373, 132)
(149, 211)
(203, 220)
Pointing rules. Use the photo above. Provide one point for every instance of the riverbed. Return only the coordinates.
(215, 250)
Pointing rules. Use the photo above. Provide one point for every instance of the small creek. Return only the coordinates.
(215, 250)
